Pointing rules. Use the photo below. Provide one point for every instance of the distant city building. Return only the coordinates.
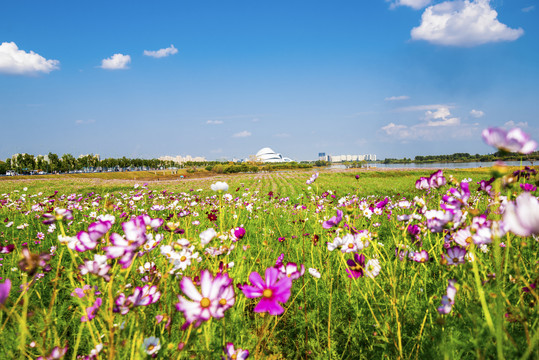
(268, 155)
(346, 158)
(91, 155)
(181, 159)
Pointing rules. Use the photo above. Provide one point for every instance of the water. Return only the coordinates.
(465, 165)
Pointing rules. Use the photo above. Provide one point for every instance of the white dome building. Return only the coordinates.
(267, 155)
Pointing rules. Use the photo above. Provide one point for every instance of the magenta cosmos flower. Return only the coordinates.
(272, 291)
(5, 288)
(514, 140)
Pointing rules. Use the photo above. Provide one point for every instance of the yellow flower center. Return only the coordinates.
(183, 258)
(469, 240)
(205, 303)
(222, 302)
(350, 246)
(267, 293)
(150, 348)
(455, 259)
(234, 356)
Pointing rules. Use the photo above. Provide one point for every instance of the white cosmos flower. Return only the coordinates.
(314, 273)
(372, 268)
(219, 186)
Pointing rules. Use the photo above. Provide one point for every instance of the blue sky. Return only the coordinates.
(223, 79)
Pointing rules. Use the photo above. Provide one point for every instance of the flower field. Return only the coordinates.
(329, 265)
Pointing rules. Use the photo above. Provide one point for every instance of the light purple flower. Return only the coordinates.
(334, 221)
(272, 291)
(312, 179)
(514, 140)
(455, 255)
(448, 300)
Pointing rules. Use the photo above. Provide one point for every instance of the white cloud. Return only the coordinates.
(414, 4)
(463, 23)
(511, 124)
(441, 117)
(19, 62)
(477, 113)
(242, 134)
(161, 52)
(397, 98)
(423, 107)
(282, 135)
(437, 124)
(82, 122)
(528, 9)
(214, 122)
(116, 62)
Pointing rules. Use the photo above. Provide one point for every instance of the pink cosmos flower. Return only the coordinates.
(232, 354)
(514, 140)
(272, 291)
(92, 310)
(522, 216)
(216, 296)
(59, 214)
(88, 240)
(125, 248)
(291, 270)
(142, 296)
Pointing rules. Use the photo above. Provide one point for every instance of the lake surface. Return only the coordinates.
(466, 165)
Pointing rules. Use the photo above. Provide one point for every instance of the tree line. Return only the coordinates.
(464, 157)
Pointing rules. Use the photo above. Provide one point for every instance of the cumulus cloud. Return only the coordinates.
(214, 122)
(19, 62)
(441, 117)
(161, 52)
(463, 23)
(528, 9)
(414, 4)
(242, 134)
(437, 124)
(511, 124)
(116, 62)
(397, 98)
(477, 113)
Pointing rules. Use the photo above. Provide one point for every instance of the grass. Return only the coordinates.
(392, 315)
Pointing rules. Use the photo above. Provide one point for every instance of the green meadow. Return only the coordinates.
(362, 287)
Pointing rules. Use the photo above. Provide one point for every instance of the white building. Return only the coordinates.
(267, 155)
